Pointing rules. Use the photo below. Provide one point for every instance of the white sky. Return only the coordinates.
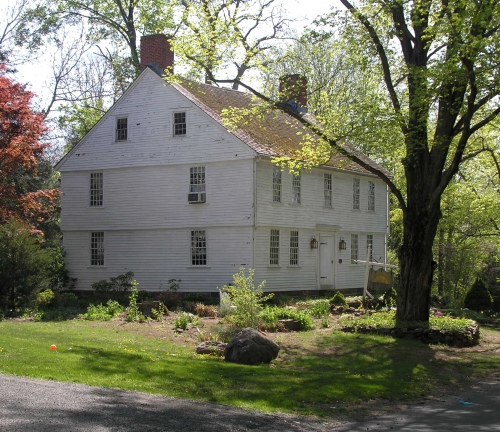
(37, 74)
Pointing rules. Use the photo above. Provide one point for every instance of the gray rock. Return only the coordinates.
(211, 347)
(250, 347)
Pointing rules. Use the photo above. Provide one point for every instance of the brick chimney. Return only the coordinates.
(157, 52)
(294, 87)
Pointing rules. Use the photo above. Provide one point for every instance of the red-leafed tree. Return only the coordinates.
(21, 152)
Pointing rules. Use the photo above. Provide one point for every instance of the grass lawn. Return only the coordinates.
(317, 372)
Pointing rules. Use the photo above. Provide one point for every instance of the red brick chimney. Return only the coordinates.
(294, 87)
(157, 52)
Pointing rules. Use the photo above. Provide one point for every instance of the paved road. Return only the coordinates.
(38, 406)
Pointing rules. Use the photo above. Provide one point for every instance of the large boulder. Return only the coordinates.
(250, 347)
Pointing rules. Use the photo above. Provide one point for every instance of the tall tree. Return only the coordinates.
(20, 156)
(439, 63)
(228, 36)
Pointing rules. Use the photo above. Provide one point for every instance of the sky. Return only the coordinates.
(37, 74)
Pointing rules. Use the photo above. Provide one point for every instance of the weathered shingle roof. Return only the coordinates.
(273, 134)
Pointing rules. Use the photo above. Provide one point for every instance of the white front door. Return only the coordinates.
(327, 261)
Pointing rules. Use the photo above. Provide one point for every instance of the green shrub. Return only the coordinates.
(120, 283)
(338, 299)
(272, 314)
(246, 298)
(45, 299)
(103, 313)
(182, 321)
(478, 298)
(132, 310)
(24, 265)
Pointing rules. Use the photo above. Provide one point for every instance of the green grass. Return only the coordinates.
(315, 370)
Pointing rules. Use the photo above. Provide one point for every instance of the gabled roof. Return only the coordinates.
(274, 134)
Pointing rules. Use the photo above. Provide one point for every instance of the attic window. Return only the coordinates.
(121, 129)
(180, 127)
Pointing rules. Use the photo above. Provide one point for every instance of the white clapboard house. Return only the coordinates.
(161, 188)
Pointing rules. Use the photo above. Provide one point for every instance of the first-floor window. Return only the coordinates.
(97, 248)
(198, 248)
(294, 248)
(354, 248)
(369, 246)
(274, 249)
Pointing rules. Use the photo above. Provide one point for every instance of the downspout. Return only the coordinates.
(388, 227)
(254, 209)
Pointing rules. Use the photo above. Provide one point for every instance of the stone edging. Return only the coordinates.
(459, 339)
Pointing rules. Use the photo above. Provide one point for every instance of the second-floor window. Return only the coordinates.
(327, 180)
(371, 196)
(354, 248)
(294, 248)
(96, 189)
(355, 193)
(296, 189)
(276, 184)
(198, 248)
(196, 179)
(121, 131)
(274, 247)
(180, 125)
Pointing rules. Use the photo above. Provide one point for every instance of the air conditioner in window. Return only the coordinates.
(196, 198)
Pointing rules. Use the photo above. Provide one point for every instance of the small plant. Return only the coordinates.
(389, 298)
(45, 299)
(246, 298)
(182, 321)
(272, 314)
(203, 310)
(338, 299)
(478, 298)
(159, 313)
(133, 312)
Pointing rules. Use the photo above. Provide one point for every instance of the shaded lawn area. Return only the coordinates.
(316, 373)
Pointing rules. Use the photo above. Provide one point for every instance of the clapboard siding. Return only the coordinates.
(155, 256)
(157, 197)
(149, 106)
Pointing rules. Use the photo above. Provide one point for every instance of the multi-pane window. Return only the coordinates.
(296, 189)
(274, 247)
(371, 195)
(354, 248)
(276, 184)
(328, 189)
(96, 189)
(180, 126)
(294, 248)
(97, 248)
(355, 193)
(121, 131)
(198, 248)
(369, 246)
(196, 179)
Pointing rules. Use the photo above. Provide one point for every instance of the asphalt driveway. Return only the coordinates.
(36, 405)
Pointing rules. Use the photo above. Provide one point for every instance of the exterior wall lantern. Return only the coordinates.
(342, 244)
(314, 243)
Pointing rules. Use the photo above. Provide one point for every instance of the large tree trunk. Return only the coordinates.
(416, 262)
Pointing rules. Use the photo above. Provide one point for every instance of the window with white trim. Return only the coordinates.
(274, 247)
(296, 189)
(180, 125)
(97, 248)
(294, 248)
(371, 196)
(369, 246)
(276, 184)
(96, 189)
(355, 193)
(327, 181)
(197, 179)
(121, 130)
(354, 248)
(198, 248)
